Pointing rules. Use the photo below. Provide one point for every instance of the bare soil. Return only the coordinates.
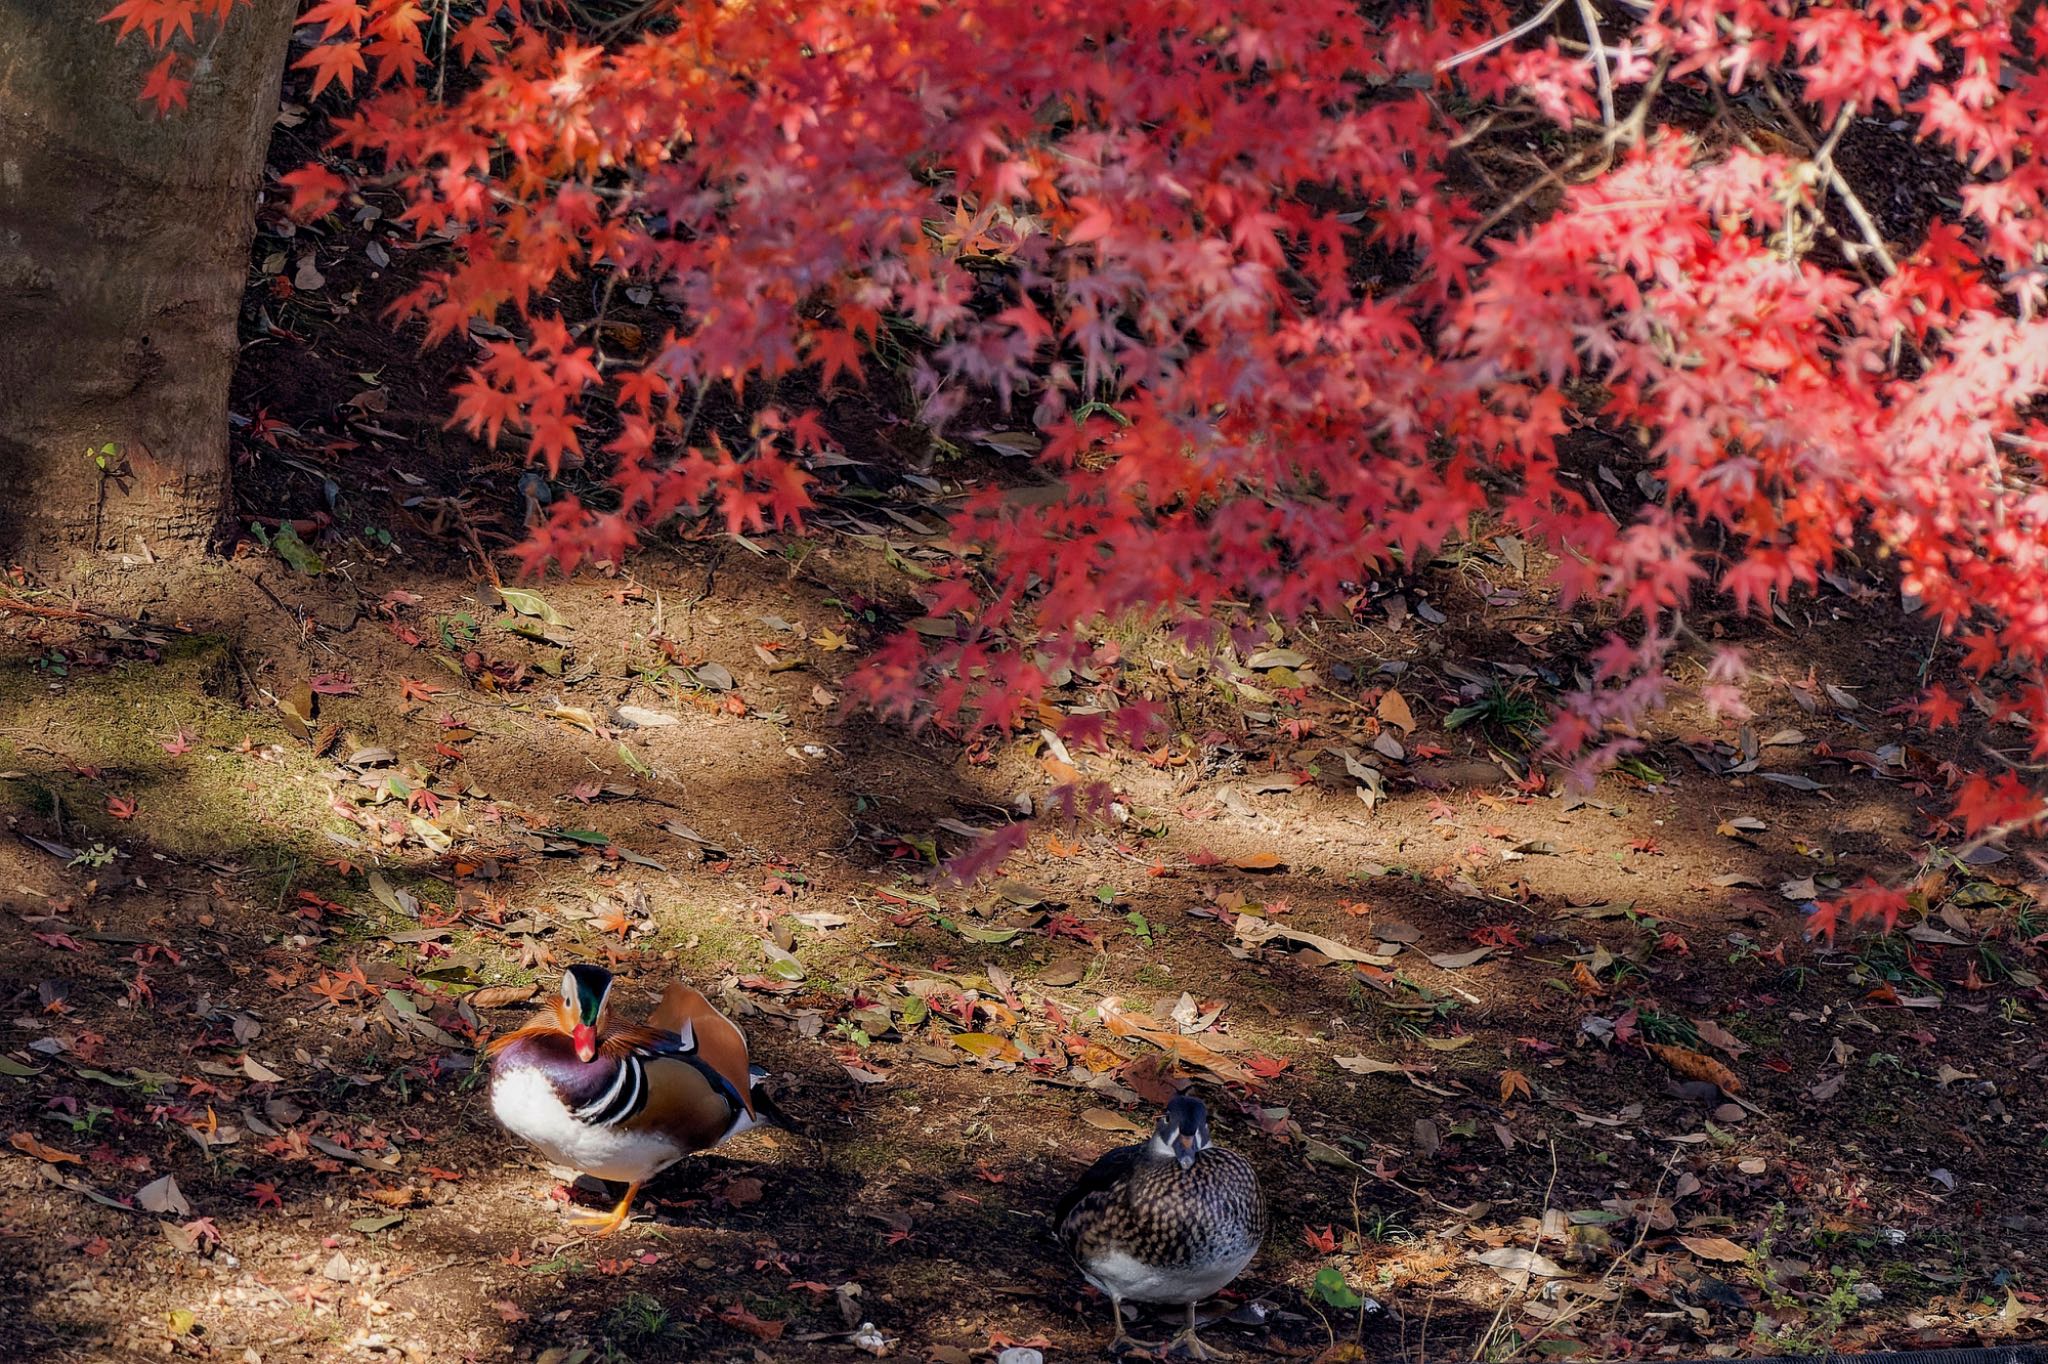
(349, 1194)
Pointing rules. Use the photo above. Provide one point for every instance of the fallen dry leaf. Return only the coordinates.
(1695, 1066)
(26, 1143)
(1714, 1248)
(1182, 1048)
(1257, 931)
(1714, 1035)
(1513, 1260)
(164, 1195)
(988, 1046)
(499, 996)
(1110, 1121)
(739, 1318)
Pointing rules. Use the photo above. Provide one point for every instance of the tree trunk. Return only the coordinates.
(124, 244)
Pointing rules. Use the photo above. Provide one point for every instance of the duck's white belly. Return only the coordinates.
(1137, 1281)
(527, 1104)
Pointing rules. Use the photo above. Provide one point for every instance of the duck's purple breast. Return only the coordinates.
(554, 1056)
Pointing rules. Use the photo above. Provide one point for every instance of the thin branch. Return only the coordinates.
(1824, 165)
(1626, 133)
(1533, 22)
(1591, 20)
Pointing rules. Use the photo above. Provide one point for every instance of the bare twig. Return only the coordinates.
(1486, 1336)
(1824, 167)
(1591, 19)
(1626, 133)
(1528, 25)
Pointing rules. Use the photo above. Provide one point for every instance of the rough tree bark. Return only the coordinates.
(124, 245)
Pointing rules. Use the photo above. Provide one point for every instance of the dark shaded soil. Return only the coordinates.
(1889, 1113)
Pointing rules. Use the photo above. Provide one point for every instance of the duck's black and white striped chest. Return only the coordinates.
(579, 1114)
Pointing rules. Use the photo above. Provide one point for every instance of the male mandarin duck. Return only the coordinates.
(1168, 1220)
(623, 1102)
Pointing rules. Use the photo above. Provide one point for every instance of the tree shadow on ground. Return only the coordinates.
(934, 1169)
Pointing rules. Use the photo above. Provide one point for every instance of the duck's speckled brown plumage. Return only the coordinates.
(1170, 1220)
(1155, 1212)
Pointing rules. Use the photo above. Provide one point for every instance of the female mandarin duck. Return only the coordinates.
(1170, 1220)
(621, 1102)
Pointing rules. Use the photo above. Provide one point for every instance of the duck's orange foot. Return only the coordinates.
(605, 1223)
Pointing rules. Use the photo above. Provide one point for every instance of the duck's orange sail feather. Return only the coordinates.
(719, 1041)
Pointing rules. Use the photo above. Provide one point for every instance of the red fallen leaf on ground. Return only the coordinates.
(333, 684)
(1266, 1067)
(179, 743)
(740, 1319)
(120, 807)
(1321, 1240)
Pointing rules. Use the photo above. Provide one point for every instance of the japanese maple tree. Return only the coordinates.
(1268, 324)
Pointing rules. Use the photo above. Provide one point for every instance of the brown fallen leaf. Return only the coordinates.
(1065, 971)
(1259, 861)
(164, 1195)
(1111, 1121)
(1714, 1035)
(298, 708)
(499, 996)
(1185, 1049)
(1257, 931)
(743, 1191)
(26, 1143)
(1513, 1260)
(1695, 1066)
(988, 1046)
(260, 1073)
(1395, 710)
(1714, 1248)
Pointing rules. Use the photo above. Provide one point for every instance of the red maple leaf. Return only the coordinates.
(165, 88)
(1938, 708)
(333, 64)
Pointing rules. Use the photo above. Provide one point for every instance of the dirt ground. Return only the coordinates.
(241, 952)
(1543, 1075)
